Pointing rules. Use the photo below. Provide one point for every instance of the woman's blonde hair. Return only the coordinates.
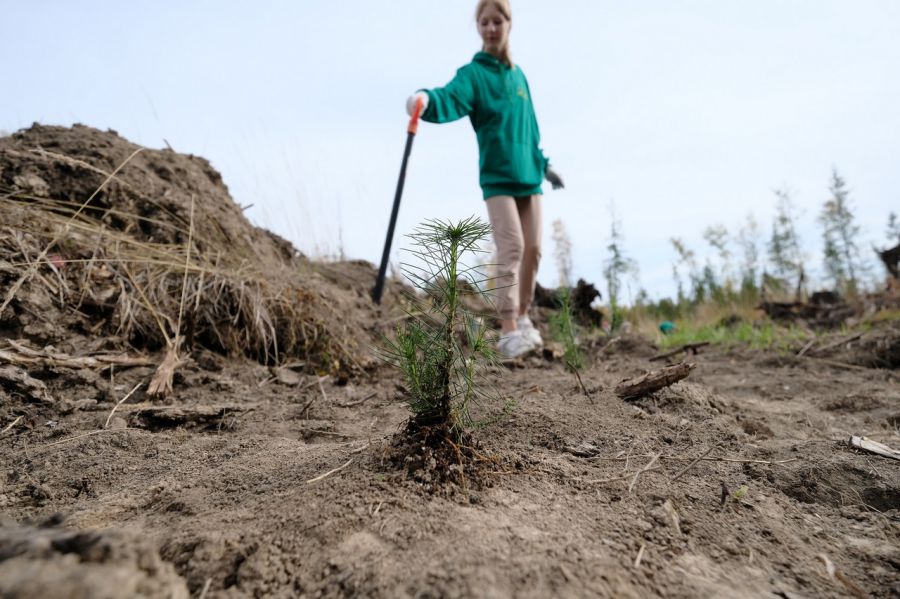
(505, 10)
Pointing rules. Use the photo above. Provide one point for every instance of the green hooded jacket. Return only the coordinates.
(497, 100)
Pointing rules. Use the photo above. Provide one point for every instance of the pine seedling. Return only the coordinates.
(562, 325)
(441, 374)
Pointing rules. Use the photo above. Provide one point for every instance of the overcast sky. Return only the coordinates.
(680, 114)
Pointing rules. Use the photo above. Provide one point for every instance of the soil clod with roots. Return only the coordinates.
(439, 459)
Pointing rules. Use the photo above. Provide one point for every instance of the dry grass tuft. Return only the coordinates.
(151, 293)
(106, 246)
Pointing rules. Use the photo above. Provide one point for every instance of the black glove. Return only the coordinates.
(556, 181)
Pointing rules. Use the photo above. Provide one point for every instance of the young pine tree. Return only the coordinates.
(562, 326)
(687, 261)
(721, 287)
(441, 374)
(785, 254)
(616, 267)
(562, 251)
(893, 228)
(748, 240)
(840, 233)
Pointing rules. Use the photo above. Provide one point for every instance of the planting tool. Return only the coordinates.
(411, 133)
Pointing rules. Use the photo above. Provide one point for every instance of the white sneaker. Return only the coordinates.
(529, 330)
(514, 344)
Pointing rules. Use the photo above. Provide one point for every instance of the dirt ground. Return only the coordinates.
(263, 480)
(229, 501)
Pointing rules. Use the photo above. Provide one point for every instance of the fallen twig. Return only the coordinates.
(641, 471)
(318, 381)
(10, 425)
(618, 478)
(305, 406)
(75, 437)
(636, 388)
(25, 356)
(321, 432)
(361, 448)
(330, 472)
(322, 389)
(688, 347)
(875, 447)
(740, 461)
(121, 401)
(836, 575)
(702, 459)
(350, 404)
(806, 347)
(35, 389)
(640, 555)
(838, 364)
(178, 415)
(839, 342)
(691, 465)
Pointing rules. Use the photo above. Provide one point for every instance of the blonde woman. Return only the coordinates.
(493, 92)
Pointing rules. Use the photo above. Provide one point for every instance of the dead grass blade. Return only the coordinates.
(330, 472)
(121, 401)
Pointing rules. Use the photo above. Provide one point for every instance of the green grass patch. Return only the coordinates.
(887, 316)
(764, 336)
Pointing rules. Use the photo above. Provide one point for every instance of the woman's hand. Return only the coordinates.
(411, 103)
(556, 181)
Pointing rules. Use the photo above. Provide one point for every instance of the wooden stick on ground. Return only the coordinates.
(689, 347)
(838, 364)
(330, 472)
(703, 458)
(25, 356)
(350, 404)
(875, 447)
(305, 406)
(322, 389)
(837, 343)
(319, 431)
(641, 471)
(692, 464)
(640, 555)
(618, 478)
(20, 379)
(121, 401)
(806, 347)
(74, 437)
(10, 425)
(636, 388)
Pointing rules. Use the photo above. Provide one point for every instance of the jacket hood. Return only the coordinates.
(489, 60)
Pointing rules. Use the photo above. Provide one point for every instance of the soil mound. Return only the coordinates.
(103, 239)
(48, 561)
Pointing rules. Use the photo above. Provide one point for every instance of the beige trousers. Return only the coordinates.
(517, 235)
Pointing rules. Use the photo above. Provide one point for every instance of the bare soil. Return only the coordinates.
(274, 479)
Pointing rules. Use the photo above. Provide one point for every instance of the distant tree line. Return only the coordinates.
(743, 267)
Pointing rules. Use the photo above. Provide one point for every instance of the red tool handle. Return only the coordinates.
(414, 119)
